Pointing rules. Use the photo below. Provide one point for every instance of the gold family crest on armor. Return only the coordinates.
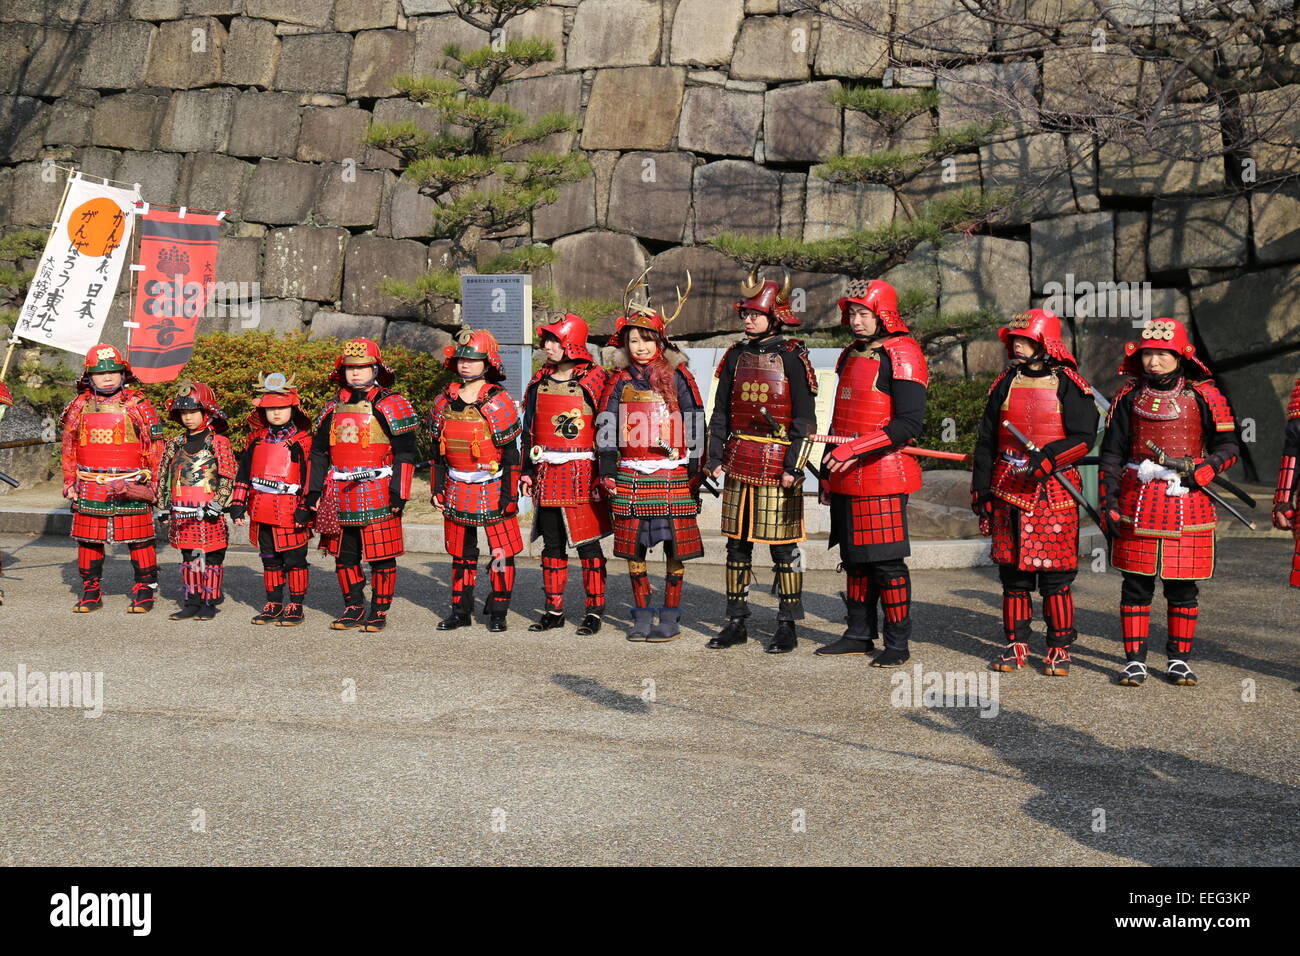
(1158, 329)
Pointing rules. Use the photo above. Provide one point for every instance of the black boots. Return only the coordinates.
(547, 622)
(457, 618)
(783, 641)
(732, 634)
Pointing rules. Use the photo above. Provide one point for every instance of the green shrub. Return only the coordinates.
(962, 400)
(231, 363)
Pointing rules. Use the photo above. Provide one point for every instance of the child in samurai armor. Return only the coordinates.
(269, 496)
(559, 471)
(1033, 520)
(1288, 488)
(762, 416)
(650, 440)
(1169, 432)
(195, 480)
(361, 466)
(112, 438)
(475, 429)
(880, 407)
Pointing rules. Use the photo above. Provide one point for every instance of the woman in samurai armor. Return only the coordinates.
(559, 470)
(195, 481)
(270, 492)
(475, 429)
(361, 466)
(1033, 520)
(651, 442)
(112, 439)
(1169, 432)
(1288, 487)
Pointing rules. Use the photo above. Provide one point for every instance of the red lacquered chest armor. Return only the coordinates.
(356, 438)
(466, 440)
(106, 438)
(564, 419)
(1033, 407)
(1170, 419)
(647, 428)
(272, 462)
(759, 382)
(860, 408)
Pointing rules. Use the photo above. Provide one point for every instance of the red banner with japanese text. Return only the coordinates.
(178, 254)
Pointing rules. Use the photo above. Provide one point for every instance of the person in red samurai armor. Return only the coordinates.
(360, 470)
(651, 442)
(1288, 487)
(762, 415)
(1033, 520)
(559, 471)
(475, 428)
(880, 406)
(195, 480)
(112, 439)
(1169, 432)
(270, 492)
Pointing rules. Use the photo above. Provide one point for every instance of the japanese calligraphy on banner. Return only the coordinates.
(73, 289)
(178, 260)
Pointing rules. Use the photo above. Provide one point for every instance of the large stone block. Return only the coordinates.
(350, 197)
(794, 195)
(596, 265)
(282, 317)
(864, 134)
(733, 196)
(1130, 245)
(845, 49)
(264, 125)
(939, 25)
(353, 15)
(400, 110)
(23, 122)
(574, 211)
(307, 12)
(988, 92)
(1076, 79)
(939, 180)
(281, 192)
(239, 259)
(838, 209)
(983, 271)
(156, 9)
(432, 34)
(1260, 392)
(304, 262)
(378, 56)
(1134, 167)
(1037, 169)
(650, 195)
(70, 124)
(800, 124)
(217, 182)
(918, 272)
(342, 326)
(773, 49)
(117, 55)
(127, 121)
(417, 337)
(368, 262)
(1272, 120)
(197, 121)
(1252, 313)
(720, 122)
(534, 97)
(615, 33)
(634, 108)
(316, 63)
(1200, 232)
(158, 173)
(545, 24)
(1275, 213)
(97, 162)
(252, 54)
(332, 134)
(39, 61)
(35, 201)
(410, 214)
(1081, 246)
(704, 31)
(187, 54)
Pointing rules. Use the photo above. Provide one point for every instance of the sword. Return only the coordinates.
(28, 442)
(906, 449)
(7, 480)
(1068, 485)
(1161, 457)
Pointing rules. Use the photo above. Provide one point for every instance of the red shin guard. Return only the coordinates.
(1182, 630)
(555, 575)
(593, 582)
(1135, 620)
(1017, 610)
(297, 584)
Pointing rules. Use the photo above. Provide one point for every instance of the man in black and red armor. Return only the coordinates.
(269, 496)
(362, 462)
(559, 469)
(763, 412)
(475, 429)
(879, 407)
(1169, 432)
(1033, 520)
(112, 440)
(1288, 485)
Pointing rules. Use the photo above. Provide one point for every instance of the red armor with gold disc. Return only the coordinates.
(755, 451)
(860, 408)
(477, 491)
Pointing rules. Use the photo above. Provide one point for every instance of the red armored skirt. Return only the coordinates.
(340, 507)
(198, 534)
(100, 515)
(663, 495)
(1169, 536)
(570, 486)
(869, 528)
(1043, 539)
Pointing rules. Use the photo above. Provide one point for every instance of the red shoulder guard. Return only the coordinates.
(1077, 379)
(398, 412)
(839, 362)
(593, 382)
(439, 406)
(1293, 408)
(907, 359)
(71, 413)
(797, 346)
(501, 415)
(1119, 395)
(612, 381)
(1220, 411)
(717, 372)
(227, 466)
(144, 411)
(546, 369)
(685, 373)
(998, 381)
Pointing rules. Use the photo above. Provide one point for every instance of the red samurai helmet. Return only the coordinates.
(1043, 327)
(767, 296)
(105, 358)
(571, 332)
(275, 391)
(195, 396)
(1168, 334)
(638, 316)
(475, 345)
(878, 296)
(358, 353)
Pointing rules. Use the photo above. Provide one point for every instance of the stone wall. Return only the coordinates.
(698, 116)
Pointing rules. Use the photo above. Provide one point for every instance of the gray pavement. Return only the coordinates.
(225, 743)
